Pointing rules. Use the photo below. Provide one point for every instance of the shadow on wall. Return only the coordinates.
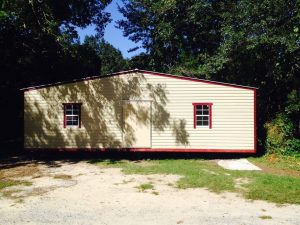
(102, 122)
(180, 133)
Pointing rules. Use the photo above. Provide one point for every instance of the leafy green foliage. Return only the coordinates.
(293, 103)
(39, 44)
(110, 58)
(170, 30)
(280, 136)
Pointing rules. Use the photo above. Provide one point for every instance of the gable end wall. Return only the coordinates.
(233, 114)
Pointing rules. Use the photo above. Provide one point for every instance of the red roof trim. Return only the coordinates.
(141, 71)
(198, 80)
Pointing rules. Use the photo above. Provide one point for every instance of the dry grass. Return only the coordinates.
(15, 176)
(28, 170)
(155, 192)
(10, 194)
(62, 176)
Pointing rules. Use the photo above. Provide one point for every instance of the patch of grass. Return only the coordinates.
(195, 173)
(10, 177)
(146, 186)
(265, 217)
(9, 183)
(278, 189)
(62, 176)
(280, 165)
(155, 192)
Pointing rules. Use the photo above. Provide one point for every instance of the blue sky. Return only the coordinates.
(112, 34)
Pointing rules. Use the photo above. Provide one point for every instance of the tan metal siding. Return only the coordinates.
(172, 113)
(232, 115)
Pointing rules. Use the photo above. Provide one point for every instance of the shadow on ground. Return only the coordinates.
(54, 159)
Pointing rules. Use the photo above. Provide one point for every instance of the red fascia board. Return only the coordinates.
(137, 71)
(198, 80)
(178, 150)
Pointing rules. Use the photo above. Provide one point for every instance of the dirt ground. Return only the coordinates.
(81, 193)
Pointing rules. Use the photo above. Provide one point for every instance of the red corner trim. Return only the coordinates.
(79, 117)
(210, 112)
(210, 116)
(255, 125)
(194, 116)
(64, 105)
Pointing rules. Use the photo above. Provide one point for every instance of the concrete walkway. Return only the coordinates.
(237, 164)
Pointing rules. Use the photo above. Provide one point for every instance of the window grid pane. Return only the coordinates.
(72, 113)
(202, 115)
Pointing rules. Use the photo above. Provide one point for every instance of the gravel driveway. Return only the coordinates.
(81, 193)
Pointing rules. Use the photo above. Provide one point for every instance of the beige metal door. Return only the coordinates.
(136, 124)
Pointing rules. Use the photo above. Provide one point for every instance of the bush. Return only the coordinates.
(280, 136)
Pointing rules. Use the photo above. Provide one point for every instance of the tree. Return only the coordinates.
(39, 44)
(247, 42)
(172, 31)
(111, 58)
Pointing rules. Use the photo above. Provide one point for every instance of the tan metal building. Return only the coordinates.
(141, 110)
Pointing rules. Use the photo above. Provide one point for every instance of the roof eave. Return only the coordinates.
(136, 71)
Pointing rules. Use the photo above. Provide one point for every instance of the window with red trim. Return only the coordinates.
(72, 115)
(202, 115)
